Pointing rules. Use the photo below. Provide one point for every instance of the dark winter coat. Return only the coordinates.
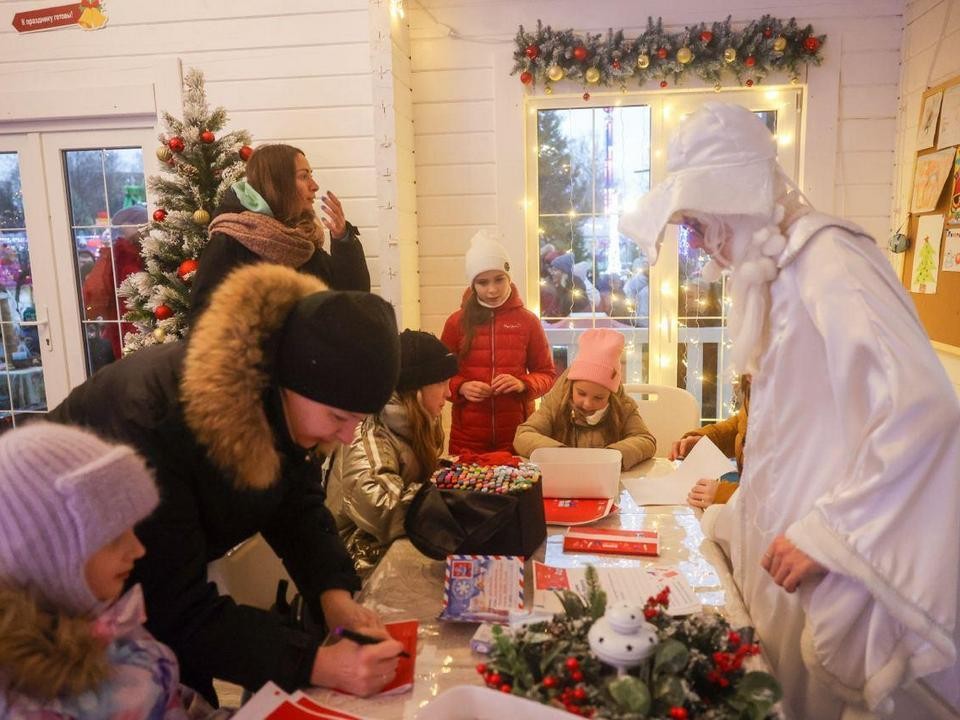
(212, 427)
(512, 342)
(343, 268)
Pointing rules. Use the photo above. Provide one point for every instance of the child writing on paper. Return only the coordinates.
(70, 646)
(505, 361)
(588, 407)
(729, 436)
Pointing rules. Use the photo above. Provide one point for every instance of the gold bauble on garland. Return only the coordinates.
(729, 55)
(164, 153)
(780, 44)
(684, 55)
(201, 217)
(643, 61)
(555, 73)
(159, 334)
(592, 75)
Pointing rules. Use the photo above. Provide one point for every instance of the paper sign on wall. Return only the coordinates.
(87, 14)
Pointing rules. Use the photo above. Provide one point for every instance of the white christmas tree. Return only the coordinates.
(202, 165)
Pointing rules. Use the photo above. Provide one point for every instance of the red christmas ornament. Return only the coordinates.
(176, 144)
(533, 52)
(526, 77)
(678, 713)
(811, 44)
(750, 61)
(663, 84)
(586, 96)
(207, 136)
(187, 267)
(159, 214)
(749, 83)
(245, 152)
(580, 53)
(706, 36)
(615, 64)
(163, 312)
(661, 53)
(767, 32)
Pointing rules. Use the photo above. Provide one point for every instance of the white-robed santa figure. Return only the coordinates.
(850, 493)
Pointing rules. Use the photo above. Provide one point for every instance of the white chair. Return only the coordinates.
(669, 412)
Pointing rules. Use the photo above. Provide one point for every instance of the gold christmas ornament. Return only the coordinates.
(780, 44)
(592, 75)
(794, 81)
(548, 90)
(164, 153)
(729, 55)
(643, 61)
(555, 73)
(159, 334)
(684, 55)
(201, 217)
(716, 88)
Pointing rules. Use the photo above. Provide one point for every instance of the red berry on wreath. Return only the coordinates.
(580, 53)
(706, 36)
(733, 637)
(661, 53)
(506, 687)
(571, 663)
(162, 312)
(750, 61)
(549, 681)
(526, 77)
(749, 83)
(532, 51)
(495, 679)
(187, 267)
(482, 668)
(811, 44)
(159, 214)
(576, 676)
(649, 613)
(207, 136)
(176, 144)
(245, 152)
(678, 713)
(579, 694)
(663, 84)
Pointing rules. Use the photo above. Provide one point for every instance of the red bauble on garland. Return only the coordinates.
(586, 96)
(176, 144)
(532, 51)
(750, 61)
(187, 267)
(245, 152)
(526, 77)
(706, 36)
(749, 83)
(663, 84)
(615, 64)
(662, 53)
(768, 32)
(580, 53)
(207, 136)
(811, 44)
(163, 312)
(159, 214)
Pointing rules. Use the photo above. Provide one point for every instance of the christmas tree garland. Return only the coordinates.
(695, 671)
(710, 53)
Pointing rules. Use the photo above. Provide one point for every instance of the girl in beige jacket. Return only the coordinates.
(588, 408)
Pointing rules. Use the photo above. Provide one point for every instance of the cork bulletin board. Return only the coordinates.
(939, 311)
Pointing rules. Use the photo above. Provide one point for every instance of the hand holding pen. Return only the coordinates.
(362, 639)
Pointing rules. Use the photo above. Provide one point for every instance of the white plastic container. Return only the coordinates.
(466, 702)
(579, 472)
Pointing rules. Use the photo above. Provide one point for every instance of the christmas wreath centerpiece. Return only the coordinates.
(630, 663)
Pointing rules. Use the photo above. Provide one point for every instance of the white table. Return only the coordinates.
(408, 585)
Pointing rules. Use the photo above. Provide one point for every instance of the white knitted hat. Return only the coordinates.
(485, 253)
(64, 494)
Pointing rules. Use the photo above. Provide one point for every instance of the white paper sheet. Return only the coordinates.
(704, 461)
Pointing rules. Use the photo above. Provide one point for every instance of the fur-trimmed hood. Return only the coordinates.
(45, 654)
(229, 367)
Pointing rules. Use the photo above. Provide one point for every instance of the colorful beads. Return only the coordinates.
(493, 479)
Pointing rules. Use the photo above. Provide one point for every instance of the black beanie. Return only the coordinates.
(424, 360)
(341, 349)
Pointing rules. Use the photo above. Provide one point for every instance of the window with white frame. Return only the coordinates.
(592, 161)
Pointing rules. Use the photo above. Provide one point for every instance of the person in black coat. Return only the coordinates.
(236, 422)
(269, 217)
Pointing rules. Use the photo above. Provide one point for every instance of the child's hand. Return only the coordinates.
(475, 391)
(683, 446)
(703, 492)
(506, 384)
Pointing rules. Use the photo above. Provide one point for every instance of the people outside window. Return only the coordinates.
(843, 535)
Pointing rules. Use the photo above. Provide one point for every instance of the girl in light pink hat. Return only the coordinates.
(588, 407)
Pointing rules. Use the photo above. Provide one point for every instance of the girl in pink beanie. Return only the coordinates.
(588, 407)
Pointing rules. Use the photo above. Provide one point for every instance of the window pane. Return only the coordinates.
(107, 208)
(11, 196)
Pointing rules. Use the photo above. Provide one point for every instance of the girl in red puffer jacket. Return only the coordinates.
(505, 362)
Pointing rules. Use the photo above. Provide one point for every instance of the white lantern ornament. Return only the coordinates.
(622, 638)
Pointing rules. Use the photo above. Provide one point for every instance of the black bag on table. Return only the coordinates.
(443, 522)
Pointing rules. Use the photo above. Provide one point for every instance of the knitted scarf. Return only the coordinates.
(269, 238)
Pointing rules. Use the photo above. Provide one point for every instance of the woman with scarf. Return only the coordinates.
(269, 217)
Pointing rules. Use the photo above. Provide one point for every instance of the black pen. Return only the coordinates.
(361, 639)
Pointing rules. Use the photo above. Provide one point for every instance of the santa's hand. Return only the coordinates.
(788, 565)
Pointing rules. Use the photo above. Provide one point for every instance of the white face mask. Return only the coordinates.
(597, 416)
(493, 307)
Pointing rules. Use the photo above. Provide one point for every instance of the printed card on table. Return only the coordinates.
(576, 511)
(272, 703)
(622, 584)
(482, 587)
(613, 541)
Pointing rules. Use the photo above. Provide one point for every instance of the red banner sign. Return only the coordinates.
(47, 18)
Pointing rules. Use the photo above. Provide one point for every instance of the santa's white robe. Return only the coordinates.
(853, 452)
